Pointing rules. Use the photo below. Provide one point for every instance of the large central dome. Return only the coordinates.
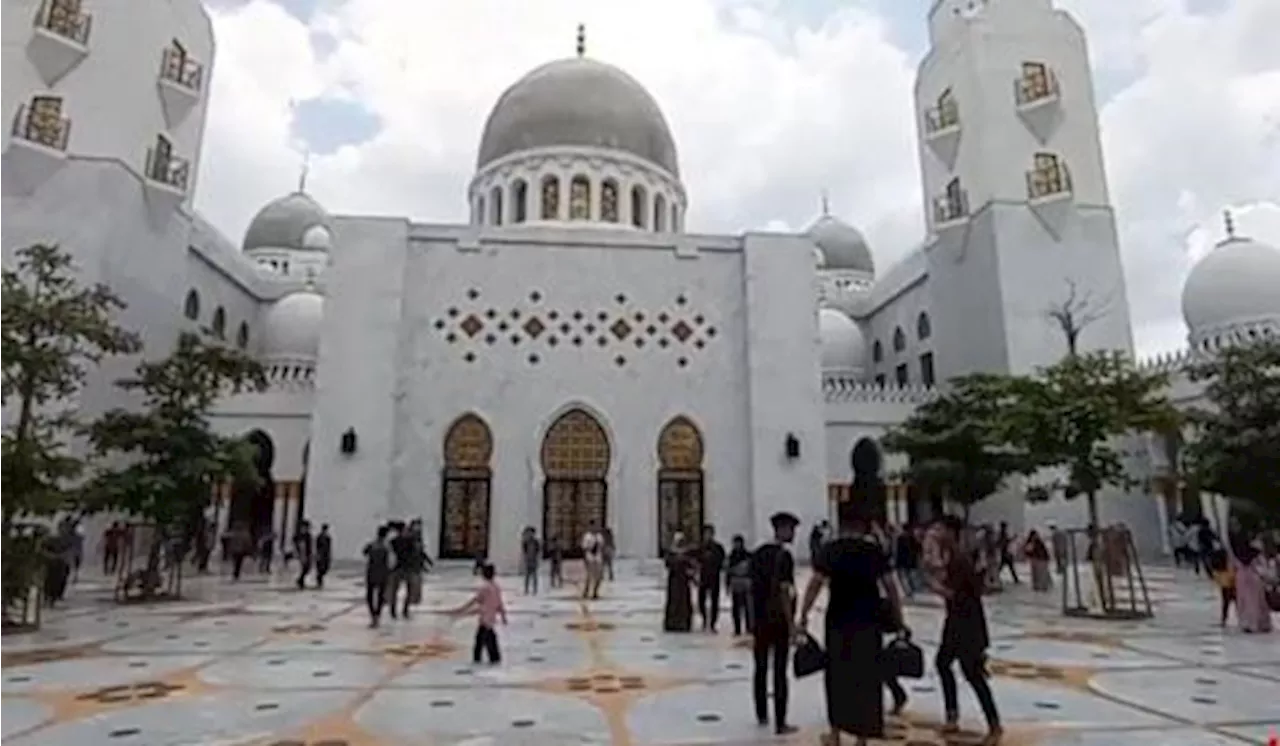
(578, 101)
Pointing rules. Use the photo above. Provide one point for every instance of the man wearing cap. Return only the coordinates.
(773, 583)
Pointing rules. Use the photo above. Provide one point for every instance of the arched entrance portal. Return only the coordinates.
(253, 505)
(680, 496)
(575, 464)
(868, 492)
(464, 500)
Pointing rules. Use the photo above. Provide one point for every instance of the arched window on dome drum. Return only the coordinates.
(899, 340)
(924, 328)
(520, 201)
(242, 336)
(550, 198)
(638, 211)
(220, 323)
(480, 212)
(609, 201)
(675, 218)
(659, 213)
(877, 352)
(495, 205)
(580, 198)
(191, 307)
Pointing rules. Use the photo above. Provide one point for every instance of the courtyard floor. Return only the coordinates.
(259, 663)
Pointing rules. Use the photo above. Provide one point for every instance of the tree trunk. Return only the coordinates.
(1093, 509)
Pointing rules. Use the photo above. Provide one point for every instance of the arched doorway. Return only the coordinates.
(680, 496)
(868, 490)
(464, 500)
(253, 505)
(575, 464)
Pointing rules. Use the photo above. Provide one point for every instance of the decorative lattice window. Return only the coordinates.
(576, 447)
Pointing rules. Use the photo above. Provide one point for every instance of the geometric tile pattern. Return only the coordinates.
(260, 665)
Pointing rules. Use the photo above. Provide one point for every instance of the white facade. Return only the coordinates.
(466, 375)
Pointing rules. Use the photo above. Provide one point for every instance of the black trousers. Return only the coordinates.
(709, 602)
(109, 560)
(486, 642)
(306, 568)
(322, 569)
(772, 644)
(973, 667)
(1006, 560)
(237, 565)
(531, 579)
(375, 597)
(741, 605)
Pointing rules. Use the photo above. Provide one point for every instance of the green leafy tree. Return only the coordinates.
(955, 443)
(170, 453)
(1071, 415)
(1235, 450)
(54, 330)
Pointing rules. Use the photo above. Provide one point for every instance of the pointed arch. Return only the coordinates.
(609, 201)
(191, 306)
(219, 324)
(924, 327)
(253, 504)
(495, 206)
(550, 197)
(465, 491)
(681, 497)
(899, 339)
(575, 458)
(520, 201)
(659, 213)
(580, 198)
(639, 206)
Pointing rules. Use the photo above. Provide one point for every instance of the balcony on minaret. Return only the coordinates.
(60, 39)
(181, 80)
(951, 208)
(1049, 191)
(37, 144)
(1038, 99)
(942, 128)
(166, 175)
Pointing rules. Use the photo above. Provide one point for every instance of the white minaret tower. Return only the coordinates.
(1015, 190)
(105, 80)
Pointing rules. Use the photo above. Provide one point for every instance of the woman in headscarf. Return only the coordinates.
(1250, 590)
(678, 616)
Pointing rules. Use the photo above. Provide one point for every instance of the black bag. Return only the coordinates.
(809, 658)
(903, 659)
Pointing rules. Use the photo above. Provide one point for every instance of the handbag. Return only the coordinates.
(903, 659)
(809, 657)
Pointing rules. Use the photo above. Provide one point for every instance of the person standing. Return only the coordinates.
(608, 551)
(324, 554)
(738, 580)
(488, 605)
(907, 559)
(1058, 538)
(112, 539)
(1246, 562)
(964, 634)
(377, 575)
(773, 594)
(1038, 555)
(239, 546)
(711, 557)
(555, 561)
(266, 550)
(530, 553)
(304, 547)
(856, 571)
(677, 612)
(592, 562)
(411, 562)
(1005, 542)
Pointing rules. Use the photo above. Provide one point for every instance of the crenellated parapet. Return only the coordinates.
(283, 376)
(845, 388)
(1169, 362)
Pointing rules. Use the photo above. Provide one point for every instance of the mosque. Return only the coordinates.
(572, 356)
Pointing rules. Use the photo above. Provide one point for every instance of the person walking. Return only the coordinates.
(677, 609)
(239, 546)
(738, 580)
(711, 558)
(489, 607)
(608, 550)
(907, 559)
(773, 583)
(304, 547)
(411, 562)
(592, 562)
(555, 561)
(1038, 555)
(377, 575)
(856, 573)
(964, 634)
(266, 551)
(324, 554)
(530, 553)
(112, 544)
(1004, 543)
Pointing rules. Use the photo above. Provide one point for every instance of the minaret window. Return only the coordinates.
(927, 376)
(242, 336)
(945, 114)
(1037, 82)
(64, 18)
(1050, 176)
(580, 198)
(609, 201)
(952, 205)
(638, 206)
(191, 308)
(220, 323)
(495, 204)
(659, 213)
(550, 198)
(924, 328)
(177, 67)
(42, 122)
(520, 201)
(899, 340)
(164, 167)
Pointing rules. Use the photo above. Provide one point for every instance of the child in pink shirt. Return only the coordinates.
(488, 605)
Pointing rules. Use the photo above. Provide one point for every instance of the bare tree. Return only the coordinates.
(1077, 312)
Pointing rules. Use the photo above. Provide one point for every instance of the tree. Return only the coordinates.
(1235, 451)
(955, 442)
(54, 328)
(1071, 414)
(1075, 313)
(172, 456)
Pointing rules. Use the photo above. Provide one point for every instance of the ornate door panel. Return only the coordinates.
(680, 508)
(464, 518)
(575, 460)
(570, 507)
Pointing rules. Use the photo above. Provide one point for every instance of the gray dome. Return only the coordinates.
(843, 247)
(578, 101)
(284, 224)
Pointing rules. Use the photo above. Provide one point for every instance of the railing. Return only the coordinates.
(949, 207)
(941, 117)
(169, 170)
(1030, 89)
(1046, 182)
(49, 131)
(177, 68)
(65, 20)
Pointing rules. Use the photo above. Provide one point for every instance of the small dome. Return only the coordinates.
(287, 223)
(578, 101)
(291, 327)
(842, 245)
(843, 346)
(1235, 286)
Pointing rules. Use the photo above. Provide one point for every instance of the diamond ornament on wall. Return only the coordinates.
(620, 329)
(682, 331)
(533, 327)
(472, 325)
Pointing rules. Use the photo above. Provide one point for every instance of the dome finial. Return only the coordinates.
(582, 39)
(1230, 224)
(306, 167)
(826, 204)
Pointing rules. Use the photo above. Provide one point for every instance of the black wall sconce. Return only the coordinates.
(792, 446)
(348, 444)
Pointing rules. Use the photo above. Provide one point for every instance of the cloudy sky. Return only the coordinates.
(771, 101)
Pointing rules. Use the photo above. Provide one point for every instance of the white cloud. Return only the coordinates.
(766, 115)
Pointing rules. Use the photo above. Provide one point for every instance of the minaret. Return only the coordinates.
(1016, 198)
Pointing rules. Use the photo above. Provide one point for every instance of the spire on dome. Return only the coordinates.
(582, 39)
(826, 203)
(306, 168)
(1230, 224)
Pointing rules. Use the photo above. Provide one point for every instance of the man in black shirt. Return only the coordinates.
(324, 554)
(411, 562)
(304, 546)
(773, 594)
(710, 566)
(377, 573)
